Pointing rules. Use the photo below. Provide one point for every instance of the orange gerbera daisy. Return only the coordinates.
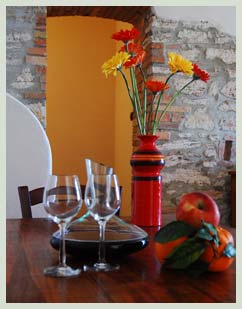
(126, 35)
(200, 74)
(156, 86)
(137, 54)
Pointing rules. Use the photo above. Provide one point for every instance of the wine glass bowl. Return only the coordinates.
(103, 200)
(62, 201)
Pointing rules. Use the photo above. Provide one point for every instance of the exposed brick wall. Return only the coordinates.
(197, 127)
(26, 57)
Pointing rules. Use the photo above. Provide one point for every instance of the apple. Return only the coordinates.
(197, 206)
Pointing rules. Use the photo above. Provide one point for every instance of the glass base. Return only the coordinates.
(101, 267)
(61, 271)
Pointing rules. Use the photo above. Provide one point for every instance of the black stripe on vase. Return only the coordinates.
(147, 178)
(147, 163)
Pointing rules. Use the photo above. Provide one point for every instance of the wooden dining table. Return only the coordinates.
(141, 279)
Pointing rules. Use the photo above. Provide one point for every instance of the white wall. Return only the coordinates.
(224, 17)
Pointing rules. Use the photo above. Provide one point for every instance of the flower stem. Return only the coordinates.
(158, 105)
(169, 77)
(151, 109)
(145, 99)
(137, 101)
(172, 100)
(127, 85)
(156, 112)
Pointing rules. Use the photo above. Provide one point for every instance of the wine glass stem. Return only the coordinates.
(62, 250)
(102, 249)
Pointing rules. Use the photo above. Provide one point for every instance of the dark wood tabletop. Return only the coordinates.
(139, 280)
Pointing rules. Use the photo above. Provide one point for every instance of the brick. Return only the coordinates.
(41, 19)
(34, 95)
(173, 46)
(164, 135)
(40, 34)
(169, 125)
(43, 78)
(155, 59)
(43, 86)
(155, 45)
(37, 60)
(40, 69)
(155, 53)
(177, 117)
(41, 28)
(40, 42)
(37, 51)
(167, 117)
(177, 109)
(165, 98)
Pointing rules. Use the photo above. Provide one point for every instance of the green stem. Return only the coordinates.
(137, 100)
(169, 77)
(156, 112)
(158, 105)
(172, 100)
(145, 99)
(151, 109)
(133, 100)
(127, 85)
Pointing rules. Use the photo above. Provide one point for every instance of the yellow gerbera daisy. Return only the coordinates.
(112, 65)
(177, 63)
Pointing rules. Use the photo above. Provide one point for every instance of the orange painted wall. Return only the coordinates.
(123, 133)
(87, 113)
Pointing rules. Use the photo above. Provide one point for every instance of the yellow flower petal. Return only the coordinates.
(177, 63)
(112, 65)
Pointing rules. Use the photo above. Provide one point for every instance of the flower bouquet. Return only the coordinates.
(145, 106)
(147, 161)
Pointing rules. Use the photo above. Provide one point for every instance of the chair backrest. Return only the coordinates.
(31, 198)
(29, 159)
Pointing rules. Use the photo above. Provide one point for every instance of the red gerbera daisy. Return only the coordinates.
(126, 35)
(200, 74)
(156, 86)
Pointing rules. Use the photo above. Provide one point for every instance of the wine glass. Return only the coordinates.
(62, 201)
(103, 200)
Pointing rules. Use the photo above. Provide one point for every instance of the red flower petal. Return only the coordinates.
(200, 74)
(156, 86)
(137, 54)
(126, 35)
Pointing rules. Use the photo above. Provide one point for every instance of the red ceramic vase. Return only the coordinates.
(147, 163)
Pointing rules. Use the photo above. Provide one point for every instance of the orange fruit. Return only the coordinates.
(163, 250)
(213, 255)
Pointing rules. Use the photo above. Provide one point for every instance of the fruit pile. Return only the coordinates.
(195, 241)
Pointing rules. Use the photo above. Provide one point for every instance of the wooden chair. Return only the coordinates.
(30, 198)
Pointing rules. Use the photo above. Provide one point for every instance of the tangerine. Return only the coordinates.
(163, 250)
(214, 255)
